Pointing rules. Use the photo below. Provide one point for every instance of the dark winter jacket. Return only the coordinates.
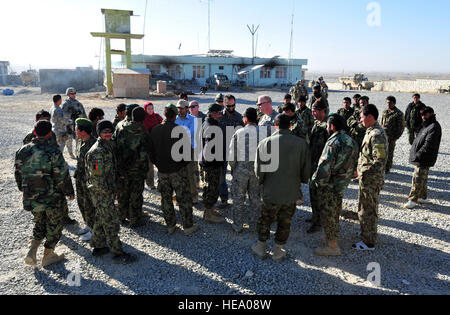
(425, 148)
(211, 157)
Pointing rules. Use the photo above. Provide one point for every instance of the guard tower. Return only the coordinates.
(117, 26)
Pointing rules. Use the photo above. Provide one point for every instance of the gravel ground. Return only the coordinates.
(413, 249)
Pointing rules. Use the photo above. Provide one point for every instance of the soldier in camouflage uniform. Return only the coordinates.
(60, 122)
(40, 115)
(319, 136)
(393, 123)
(347, 111)
(44, 115)
(357, 130)
(101, 173)
(281, 185)
(317, 95)
(412, 117)
(242, 153)
(173, 176)
(212, 162)
(132, 146)
(73, 109)
(83, 129)
(371, 166)
(334, 172)
(299, 90)
(306, 115)
(297, 127)
(43, 176)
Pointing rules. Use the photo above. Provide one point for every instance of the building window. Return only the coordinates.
(281, 73)
(221, 67)
(265, 73)
(154, 69)
(198, 72)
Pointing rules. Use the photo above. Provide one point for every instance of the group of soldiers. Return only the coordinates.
(115, 159)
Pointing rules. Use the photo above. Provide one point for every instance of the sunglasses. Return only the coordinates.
(259, 104)
(229, 106)
(193, 106)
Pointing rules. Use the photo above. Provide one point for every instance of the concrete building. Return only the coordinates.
(258, 72)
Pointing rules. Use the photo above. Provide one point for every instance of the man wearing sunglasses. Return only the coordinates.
(268, 118)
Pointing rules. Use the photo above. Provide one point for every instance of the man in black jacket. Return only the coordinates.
(172, 175)
(423, 155)
(213, 160)
(412, 117)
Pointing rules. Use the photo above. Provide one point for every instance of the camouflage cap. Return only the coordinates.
(219, 97)
(71, 90)
(215, 108)
(172, 107)
(83, 122)
(182, 104)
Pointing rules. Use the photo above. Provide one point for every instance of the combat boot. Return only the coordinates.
(210, 216)
(278, 253)
(260, 249)
(50, 257)
(31, 256)
(330, 248)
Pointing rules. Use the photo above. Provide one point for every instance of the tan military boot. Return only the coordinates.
(330, 248)
(260, 249)
(31, 256)
(191, 230)
(278, 253)
(50, 257)
(212, 217)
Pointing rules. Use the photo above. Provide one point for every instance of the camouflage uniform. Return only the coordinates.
(132, 145)
(357, 130)
(419, 184)
(346, 113)
(116, 122)
(319, 136)
(43, 176)
(242, 154)
(83, 197)
(178, 182)
(393, 123)
(371, 166)
(101, 174)
(298, 127)
(211, 186)
(308, 119)
(282, 214)
(52, 141)
(73, 109)
(60, 124)
(334, 172)
(297, 90)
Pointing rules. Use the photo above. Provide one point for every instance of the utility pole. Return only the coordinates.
(291, 45)
(253, 32)
(209, 25)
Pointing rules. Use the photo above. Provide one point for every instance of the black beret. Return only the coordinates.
(138, 114)
(104, 124)
(215, 108)
(42, 128)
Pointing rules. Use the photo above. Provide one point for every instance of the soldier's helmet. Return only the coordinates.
(70, 90)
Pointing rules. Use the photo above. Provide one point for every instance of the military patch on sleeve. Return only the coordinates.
(381, 151)
(97, 167)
